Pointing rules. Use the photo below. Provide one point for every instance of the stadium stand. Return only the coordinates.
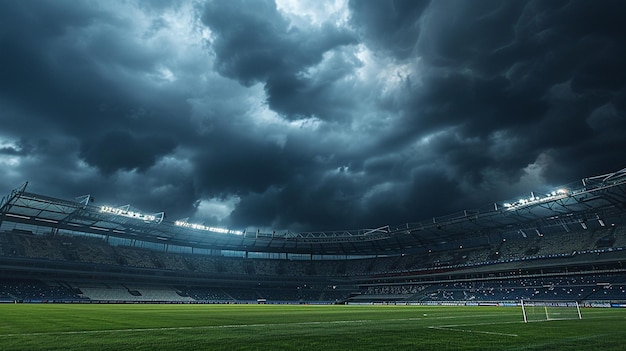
(565, 247)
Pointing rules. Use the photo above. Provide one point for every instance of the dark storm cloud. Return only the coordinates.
(254, 43)
(67, 90)
(535, 70)
(393, 26)
(119, 150)
(241, 166)
(384, 112)
(329, 200)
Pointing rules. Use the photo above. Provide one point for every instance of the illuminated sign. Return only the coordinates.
(209, 229)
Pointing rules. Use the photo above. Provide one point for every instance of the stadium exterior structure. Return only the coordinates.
(469, 246)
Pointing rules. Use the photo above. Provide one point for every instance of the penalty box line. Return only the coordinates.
(463, 330)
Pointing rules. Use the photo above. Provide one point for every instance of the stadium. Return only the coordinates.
(564, 248)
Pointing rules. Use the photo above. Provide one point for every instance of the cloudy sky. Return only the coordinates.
(309, 114)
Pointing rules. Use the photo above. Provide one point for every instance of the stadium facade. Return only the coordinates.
(569, 243)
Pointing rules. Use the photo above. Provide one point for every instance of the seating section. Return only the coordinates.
(589, 287)
(97, 251)
(121, 292)
(97, 255)
(13, 290)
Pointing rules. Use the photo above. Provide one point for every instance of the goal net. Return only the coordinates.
(537, 311)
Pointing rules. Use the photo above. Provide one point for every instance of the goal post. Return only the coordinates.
(537, 311)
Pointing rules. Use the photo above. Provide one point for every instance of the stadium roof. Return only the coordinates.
(594, 202)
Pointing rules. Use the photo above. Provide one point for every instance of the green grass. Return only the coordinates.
(277, 327)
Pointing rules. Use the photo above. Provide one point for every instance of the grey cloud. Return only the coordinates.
(240, 166)
(495, 67)
(120, 150)
(21, 148)
(391, 25)
(254, 43)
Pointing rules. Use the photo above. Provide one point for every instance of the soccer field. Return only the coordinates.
(302, 327)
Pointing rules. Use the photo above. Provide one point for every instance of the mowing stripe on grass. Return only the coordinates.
(258, 325)
(226, 326)
(546, 345)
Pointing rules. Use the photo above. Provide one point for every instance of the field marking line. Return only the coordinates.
(471, 331)
(455, 327)
(226, 326)
(475, 324)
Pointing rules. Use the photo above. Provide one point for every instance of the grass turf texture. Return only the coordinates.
(286, 327)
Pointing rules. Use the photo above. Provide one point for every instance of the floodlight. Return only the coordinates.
(206, 228)
(124, 212)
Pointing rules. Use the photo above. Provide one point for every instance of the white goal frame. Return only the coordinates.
(550, 304)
